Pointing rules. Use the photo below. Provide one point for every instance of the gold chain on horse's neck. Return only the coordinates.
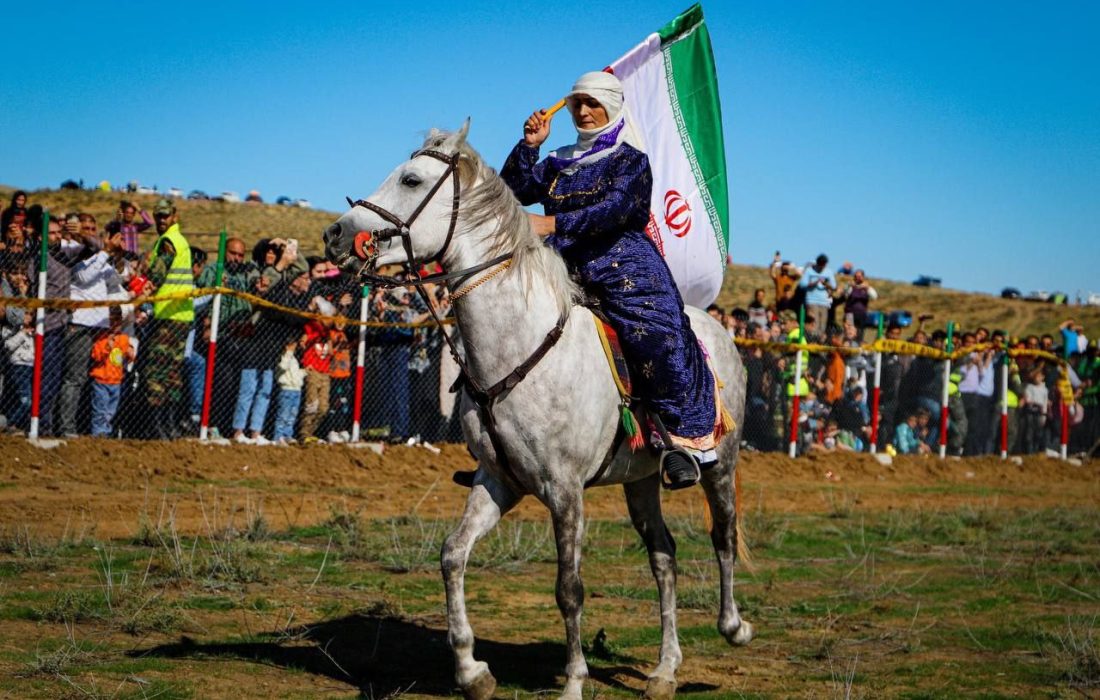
(474, 285)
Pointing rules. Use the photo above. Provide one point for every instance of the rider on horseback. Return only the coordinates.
(596, 196)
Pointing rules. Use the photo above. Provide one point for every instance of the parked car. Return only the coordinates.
(1093, 299)
(175, 193)
(72, 185)
(284, 201)
(197, 194)
(1058, 298)
(142, 189)
(927, 281)
(1037, 295)
(303, 203)
(1010, 293)
(228, 196)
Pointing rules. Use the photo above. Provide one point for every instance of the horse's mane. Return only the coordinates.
(487, 199)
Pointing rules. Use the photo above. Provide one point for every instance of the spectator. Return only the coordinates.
(906, 438)
(16, 212)
(20, 350)
(785, 276)
(317, 362)
(758, 309)
(819, 284)
(290, 378)
(957, 425)
(90, 280)
(127, 225)
(1036, 405)
(858, 296)
(162, 367)
(1068, 329)
(110, 353)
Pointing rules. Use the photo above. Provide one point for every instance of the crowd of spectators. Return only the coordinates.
(836, 387)
(138, 370)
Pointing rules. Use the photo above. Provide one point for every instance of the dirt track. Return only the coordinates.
(105, 487)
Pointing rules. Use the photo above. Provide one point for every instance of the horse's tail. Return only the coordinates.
(743, 554)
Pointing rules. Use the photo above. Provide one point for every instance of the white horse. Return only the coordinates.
(557, 426)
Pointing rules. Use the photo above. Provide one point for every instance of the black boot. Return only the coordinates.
(679, 470)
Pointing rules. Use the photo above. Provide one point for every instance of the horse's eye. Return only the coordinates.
(410, 180)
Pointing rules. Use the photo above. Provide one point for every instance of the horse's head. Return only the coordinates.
(412, 216)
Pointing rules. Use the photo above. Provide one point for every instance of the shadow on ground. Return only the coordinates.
(383, 655)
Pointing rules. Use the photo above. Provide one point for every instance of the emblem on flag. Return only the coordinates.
(677, 214)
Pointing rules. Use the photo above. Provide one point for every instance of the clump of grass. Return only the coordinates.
(514, 543)
(69, 606)
(1075, 653)
(347, 526)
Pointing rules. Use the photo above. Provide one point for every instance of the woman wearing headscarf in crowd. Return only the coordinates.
(596, 195)
(15, 212)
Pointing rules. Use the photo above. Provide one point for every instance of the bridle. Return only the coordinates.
(366, 243)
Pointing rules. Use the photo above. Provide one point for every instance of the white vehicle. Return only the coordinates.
(1038, 295)
(303, 203)
(1093, 299)
(229, 196)
(142, 189)
(175, 192)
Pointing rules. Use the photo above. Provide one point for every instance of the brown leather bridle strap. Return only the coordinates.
(402, 227)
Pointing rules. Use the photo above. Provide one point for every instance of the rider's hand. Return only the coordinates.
(541, 225)
(537, 128)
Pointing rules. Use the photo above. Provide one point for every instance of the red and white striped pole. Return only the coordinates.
(357, 399)
(212, 348)
(792, 449)
(39, 330)
(944, 411)
(1004, 408)
(876, 391)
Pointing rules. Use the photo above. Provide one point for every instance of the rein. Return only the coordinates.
(365, 247)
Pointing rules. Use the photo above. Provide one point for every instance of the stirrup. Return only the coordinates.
(679, 470)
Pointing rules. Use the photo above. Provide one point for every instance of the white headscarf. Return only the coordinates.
(606, 89)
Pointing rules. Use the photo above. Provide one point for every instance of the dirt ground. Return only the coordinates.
(104, 487)
(271, 638)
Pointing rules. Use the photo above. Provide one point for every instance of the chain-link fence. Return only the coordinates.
(260, 348)
(270, 346)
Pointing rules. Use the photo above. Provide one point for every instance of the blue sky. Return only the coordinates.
(954, 139)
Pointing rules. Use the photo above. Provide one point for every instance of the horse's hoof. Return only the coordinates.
(742, 635)
(481, 688)
(660, 688)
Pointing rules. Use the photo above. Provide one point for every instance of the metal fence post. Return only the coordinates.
(944, 411)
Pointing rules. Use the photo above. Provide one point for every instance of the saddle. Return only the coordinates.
(631, 407)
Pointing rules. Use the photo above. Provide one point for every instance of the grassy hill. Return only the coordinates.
(201, 220)
(970, 309)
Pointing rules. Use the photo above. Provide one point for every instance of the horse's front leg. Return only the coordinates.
(718, 486)
(568, 515)
(487, 502)
(643, 500)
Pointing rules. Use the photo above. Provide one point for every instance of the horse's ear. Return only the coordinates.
(460, 137)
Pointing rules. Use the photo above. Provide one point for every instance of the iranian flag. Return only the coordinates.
(671, 89)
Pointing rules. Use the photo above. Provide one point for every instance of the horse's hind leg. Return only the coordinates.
(484, 508)
(567, 513)
(644, 503)
(718, 485)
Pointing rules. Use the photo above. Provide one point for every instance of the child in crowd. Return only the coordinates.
(907, 440)
(290, 377)
(317, 361)
(20, 347)
(111, 352)
(1035, 405)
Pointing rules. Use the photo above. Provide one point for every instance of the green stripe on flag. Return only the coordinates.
(693, 89)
